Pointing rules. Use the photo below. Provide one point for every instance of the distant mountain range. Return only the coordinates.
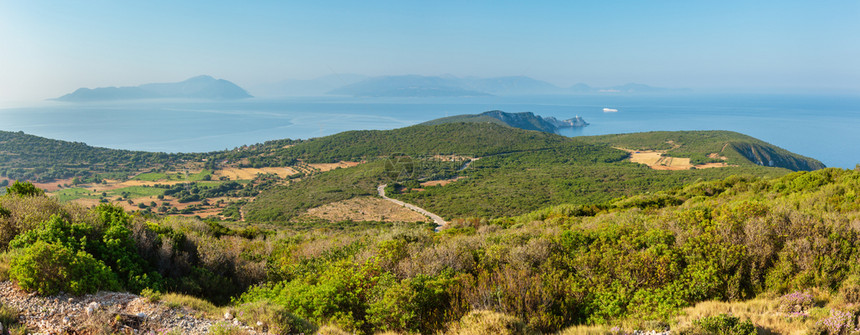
(438, 86)
(206, 87)
(200, 87)
(307, 87)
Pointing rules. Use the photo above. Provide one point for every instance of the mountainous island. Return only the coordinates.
(200, 87)
(531, 232)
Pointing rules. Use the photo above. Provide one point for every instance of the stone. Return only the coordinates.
(228, 316)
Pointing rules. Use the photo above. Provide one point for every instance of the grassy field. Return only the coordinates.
(132, 192)
(161, 176)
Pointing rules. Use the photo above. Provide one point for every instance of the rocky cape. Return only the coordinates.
(523, 120)
(200, 87)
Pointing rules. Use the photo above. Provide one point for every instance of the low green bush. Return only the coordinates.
(723, 324)
(275, 318)
(49, 268)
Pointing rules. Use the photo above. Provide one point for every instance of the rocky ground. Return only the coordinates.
(105, 311)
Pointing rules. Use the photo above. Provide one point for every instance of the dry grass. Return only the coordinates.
(332, 330)
(251, 173)
(585, 330)
(180, 300)
(655, 160)
(764, 313)
(488, 322)
(441, 182)
(323, 167)
(272, 318)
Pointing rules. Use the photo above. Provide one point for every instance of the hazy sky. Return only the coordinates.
(48, 48)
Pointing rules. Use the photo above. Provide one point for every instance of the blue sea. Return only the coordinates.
(823, 127)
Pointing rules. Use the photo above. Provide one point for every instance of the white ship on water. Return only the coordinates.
(609, 110)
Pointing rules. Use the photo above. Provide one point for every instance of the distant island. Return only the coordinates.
(407, 86)
(524, 120)
(440, 86)
(200, 87)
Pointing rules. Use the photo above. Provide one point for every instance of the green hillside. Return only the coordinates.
(465, 118)
(737, 148)
(29, 157)
(517, 171)
(470, 139)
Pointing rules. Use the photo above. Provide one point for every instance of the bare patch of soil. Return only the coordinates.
(441, 182)
(366, 209)
(655, 160)
(323, 167)
(251, 173)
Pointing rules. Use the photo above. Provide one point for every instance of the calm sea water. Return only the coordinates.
(823, 127)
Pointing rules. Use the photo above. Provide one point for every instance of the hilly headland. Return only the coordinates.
(567, 235)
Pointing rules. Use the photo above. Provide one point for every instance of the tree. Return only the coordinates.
(24, 189)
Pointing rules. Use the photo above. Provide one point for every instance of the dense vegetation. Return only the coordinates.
(28, 157)
(55, 247)
(628, 261)
(640, 258)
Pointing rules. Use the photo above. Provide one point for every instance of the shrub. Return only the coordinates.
(796, 304)
(839, 322)
(24, 189)
(49, 268)
(275, 318)
(489, 322)
(849, 292)
(6, 263)
(150, 295)
(9, 319)
(8, 315)
(113, 246)
(723, 324)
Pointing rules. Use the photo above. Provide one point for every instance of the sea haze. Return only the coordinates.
(822, 127)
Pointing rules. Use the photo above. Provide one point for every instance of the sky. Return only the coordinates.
(49, 48)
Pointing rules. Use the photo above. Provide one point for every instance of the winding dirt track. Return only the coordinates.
(436, 218)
